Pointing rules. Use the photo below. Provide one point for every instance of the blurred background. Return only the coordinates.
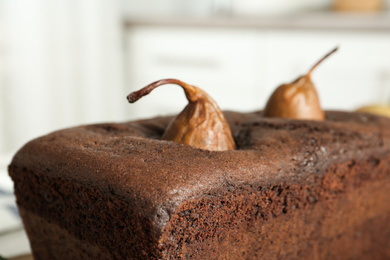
(69, 62)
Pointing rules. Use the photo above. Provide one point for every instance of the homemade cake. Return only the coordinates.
(292, 189)
(289, 182)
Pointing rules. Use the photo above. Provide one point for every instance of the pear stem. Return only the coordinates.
(189, 90)
(321, 60)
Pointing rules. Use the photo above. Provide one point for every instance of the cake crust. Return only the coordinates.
(155, 190)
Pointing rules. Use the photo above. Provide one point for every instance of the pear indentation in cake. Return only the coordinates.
(298, 99)
(201, 124)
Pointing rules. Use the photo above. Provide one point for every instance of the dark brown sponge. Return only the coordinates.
(293, 189)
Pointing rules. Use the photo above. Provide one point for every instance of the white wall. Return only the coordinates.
(61, 65)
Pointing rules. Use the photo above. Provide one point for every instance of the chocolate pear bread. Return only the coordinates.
(283, 188)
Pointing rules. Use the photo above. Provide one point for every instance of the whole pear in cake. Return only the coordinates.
(201, 124)
(298, 99)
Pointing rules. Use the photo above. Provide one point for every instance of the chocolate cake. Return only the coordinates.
(291, 189)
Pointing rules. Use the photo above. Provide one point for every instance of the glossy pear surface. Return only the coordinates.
(298, 99)
(201, 124)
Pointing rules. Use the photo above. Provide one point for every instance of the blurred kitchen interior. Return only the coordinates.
(71, 62)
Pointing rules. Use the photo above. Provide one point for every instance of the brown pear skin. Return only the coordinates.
(201, 124)
(297, 100)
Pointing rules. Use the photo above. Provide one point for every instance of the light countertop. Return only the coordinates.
(306, 21)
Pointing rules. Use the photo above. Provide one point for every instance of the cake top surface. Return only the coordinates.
(130, 161)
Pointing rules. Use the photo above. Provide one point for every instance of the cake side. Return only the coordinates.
(124, 171)
(343, 214)
(50, 241)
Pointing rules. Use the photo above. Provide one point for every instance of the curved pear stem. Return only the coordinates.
(189, 90)
(321, 60)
